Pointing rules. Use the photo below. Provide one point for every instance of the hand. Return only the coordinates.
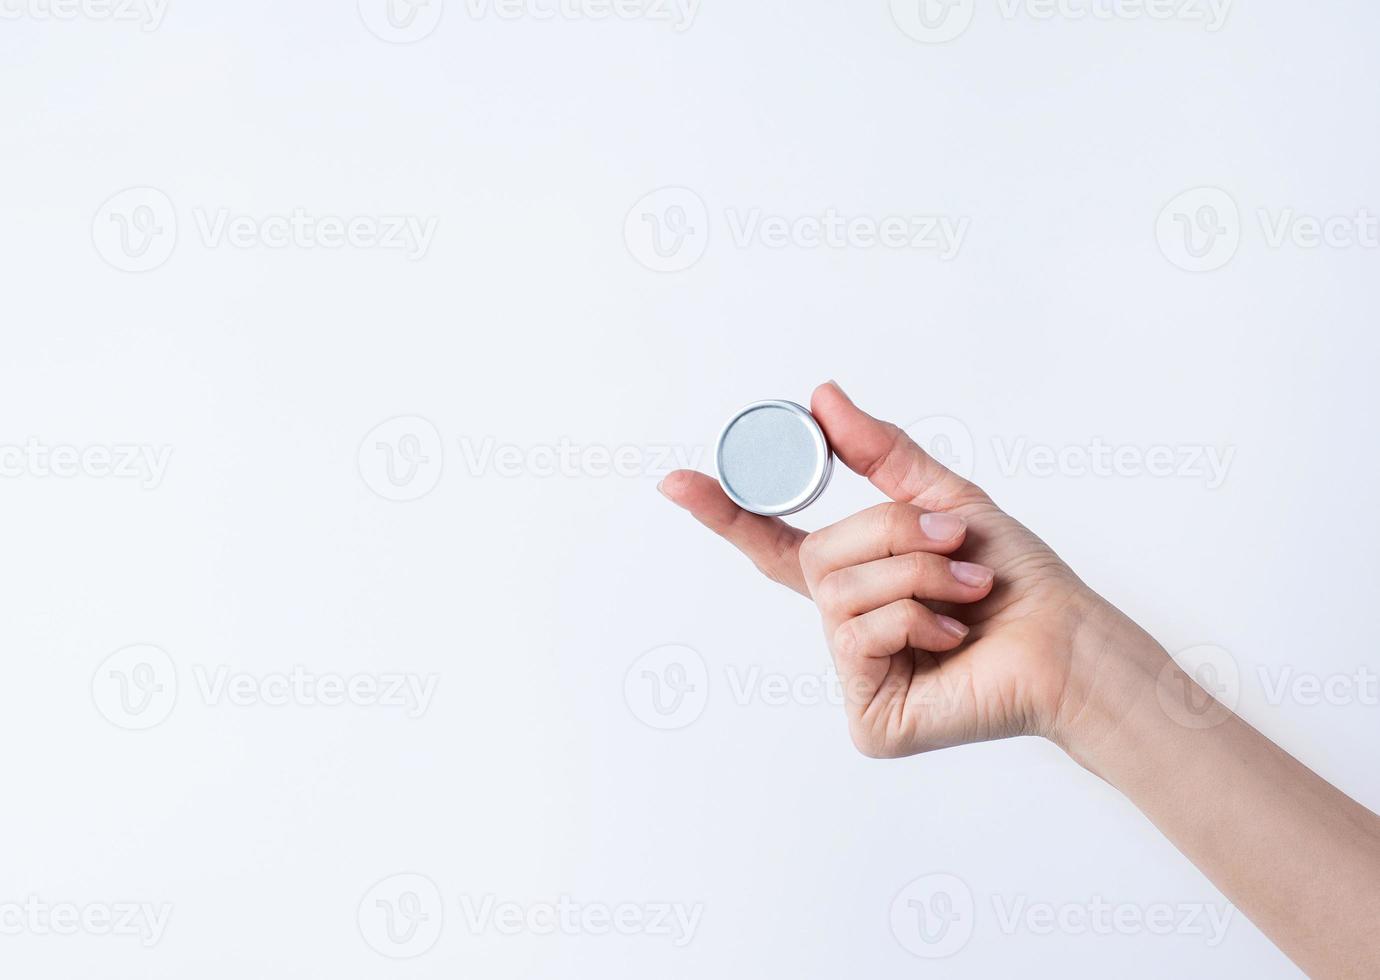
(1043, 654)
(948, 620)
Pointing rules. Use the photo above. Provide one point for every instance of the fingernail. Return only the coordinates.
(953, 626)
(839, 388)
(941, 527)
(969, 574)
(661, 489)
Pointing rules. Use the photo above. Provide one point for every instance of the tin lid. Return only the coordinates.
(773, 458)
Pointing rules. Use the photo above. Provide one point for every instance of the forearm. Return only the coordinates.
(1297, 856)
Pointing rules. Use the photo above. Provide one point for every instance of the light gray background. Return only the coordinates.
(532, 322)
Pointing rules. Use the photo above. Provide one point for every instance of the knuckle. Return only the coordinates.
(829, 592)
(848, 641)
(770, 570)
(920, 567)
(776, 562)
(893, 519)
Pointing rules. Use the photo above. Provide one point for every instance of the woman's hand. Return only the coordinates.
(949, 621)
(1044, 655)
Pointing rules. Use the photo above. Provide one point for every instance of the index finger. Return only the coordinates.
(771, 543)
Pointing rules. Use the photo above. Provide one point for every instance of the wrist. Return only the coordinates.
(1111, 689)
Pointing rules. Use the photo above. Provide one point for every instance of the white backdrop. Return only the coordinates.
(339, 372)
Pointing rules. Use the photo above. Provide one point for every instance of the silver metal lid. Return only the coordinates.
(773, 458)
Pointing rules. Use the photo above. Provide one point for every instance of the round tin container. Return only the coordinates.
(773, 458)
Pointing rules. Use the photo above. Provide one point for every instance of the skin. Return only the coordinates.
(950, 622)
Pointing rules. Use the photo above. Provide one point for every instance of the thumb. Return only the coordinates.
(888, 457)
